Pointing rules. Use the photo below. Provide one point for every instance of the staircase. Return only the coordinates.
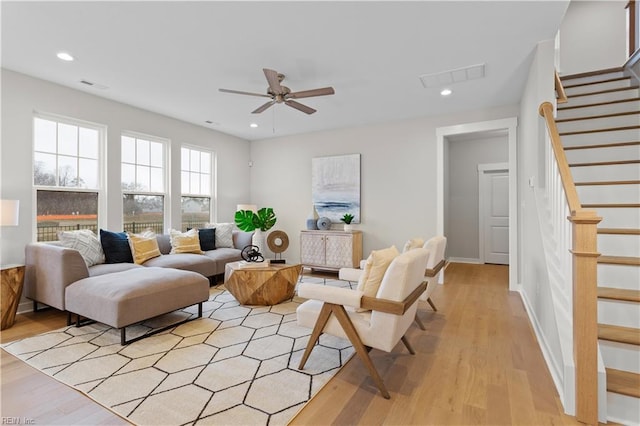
(599, 127)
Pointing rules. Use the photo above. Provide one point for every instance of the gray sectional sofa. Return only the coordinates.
(121, 294)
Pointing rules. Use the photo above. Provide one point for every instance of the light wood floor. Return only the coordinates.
(478, 362)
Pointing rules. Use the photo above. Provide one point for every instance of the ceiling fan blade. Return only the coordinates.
(263, 107)
(274, 81)
(238, 92)
(310, 93)
(300, 107)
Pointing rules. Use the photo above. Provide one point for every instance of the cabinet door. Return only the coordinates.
(312, 249)
(339, 249)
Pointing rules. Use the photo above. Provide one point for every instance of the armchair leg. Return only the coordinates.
(432, 305)
(323, 317)
(419, 322)
(361, 350)
(408, 345)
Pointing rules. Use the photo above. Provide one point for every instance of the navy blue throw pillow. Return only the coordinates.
(207, 238)
(116, 247)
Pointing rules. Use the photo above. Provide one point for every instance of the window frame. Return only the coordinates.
(101, 160)
(166, 170)
(212, 170)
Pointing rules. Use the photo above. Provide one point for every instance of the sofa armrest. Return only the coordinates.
(241, 239)
(49, 270)
(336, 295)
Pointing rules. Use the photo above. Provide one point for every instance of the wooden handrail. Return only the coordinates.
(584, 281)
(560, 93)
(546, 111)
(632, 25)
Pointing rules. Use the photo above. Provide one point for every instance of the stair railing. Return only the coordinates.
(560, 93)
(580, 239)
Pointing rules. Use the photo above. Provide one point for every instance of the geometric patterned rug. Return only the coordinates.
(235, 365)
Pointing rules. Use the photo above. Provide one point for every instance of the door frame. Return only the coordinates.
(483, 169)
(511, 125)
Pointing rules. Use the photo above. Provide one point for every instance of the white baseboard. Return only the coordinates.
(464, 260)
(25, 306)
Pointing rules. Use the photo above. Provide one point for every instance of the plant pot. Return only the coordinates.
(348, 227)
(258, 240)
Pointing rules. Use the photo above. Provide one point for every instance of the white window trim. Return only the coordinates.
(166, 153)
(213, 199)
(102, 165)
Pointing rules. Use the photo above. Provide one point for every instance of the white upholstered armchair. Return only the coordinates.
(368, 322)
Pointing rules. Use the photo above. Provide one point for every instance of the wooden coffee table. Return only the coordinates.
(268, 285)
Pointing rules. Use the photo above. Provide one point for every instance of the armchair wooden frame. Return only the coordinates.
(430, 273)
(374, 304)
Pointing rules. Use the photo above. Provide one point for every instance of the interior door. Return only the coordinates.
(495, 216)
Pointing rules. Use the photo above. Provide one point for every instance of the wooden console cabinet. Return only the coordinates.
(330, 250)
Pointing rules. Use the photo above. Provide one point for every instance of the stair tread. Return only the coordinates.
(601, 92)
(609, 182)
(619, 231)
(620, 260)
(616, 333)
(602, 145)
(592, 73)
(619, 294)
(611, 205)
(604, 163)
(604, 129)
(590, 83)
(623, 382)
(617, 101)
(591, 117)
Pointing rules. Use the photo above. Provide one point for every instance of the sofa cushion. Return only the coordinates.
(86, 242)
(185, 242)
(144, 246)
(207, 238)
(186, 262)
(116, 247)
(108, 268)
(412, 244)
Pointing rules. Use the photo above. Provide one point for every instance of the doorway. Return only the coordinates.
(510, 126)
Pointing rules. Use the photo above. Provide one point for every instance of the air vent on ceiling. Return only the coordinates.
(457, 75)
(94, 85)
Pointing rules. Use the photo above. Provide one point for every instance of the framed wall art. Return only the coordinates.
(335, 183)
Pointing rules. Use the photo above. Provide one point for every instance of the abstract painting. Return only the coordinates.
(335, 183)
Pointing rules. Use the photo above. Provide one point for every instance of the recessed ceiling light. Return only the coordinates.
(65, 56)
(446, 92)
(254, 125)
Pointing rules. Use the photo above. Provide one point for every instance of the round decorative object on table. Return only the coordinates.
(278, 241)
(324, 224)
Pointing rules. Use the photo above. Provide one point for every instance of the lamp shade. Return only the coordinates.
(251, 207)
(9, 210)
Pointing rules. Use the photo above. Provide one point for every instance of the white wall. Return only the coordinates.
(593, 36)
(536, 290)
(462, 222)
(22, 95)
(398, 176)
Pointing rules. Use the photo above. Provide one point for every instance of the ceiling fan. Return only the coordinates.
(282, 94)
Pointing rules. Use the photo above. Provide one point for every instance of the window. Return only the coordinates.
(66, 175)
(195, 172)
(143, 183)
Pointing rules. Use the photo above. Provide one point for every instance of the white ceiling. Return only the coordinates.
(171, 57)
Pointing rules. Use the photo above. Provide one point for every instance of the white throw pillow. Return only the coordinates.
(224, 234)
(86, 242)
(412, 243)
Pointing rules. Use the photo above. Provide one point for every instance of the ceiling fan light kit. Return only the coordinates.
(280, 94)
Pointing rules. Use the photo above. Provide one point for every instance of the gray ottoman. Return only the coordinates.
(124, 298)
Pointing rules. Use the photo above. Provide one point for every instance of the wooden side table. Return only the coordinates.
(267, 285)
(11, 280)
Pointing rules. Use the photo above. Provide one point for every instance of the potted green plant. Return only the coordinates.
(256, 222)
(347, 218)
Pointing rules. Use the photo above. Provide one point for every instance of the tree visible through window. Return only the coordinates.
(66, 175)
(195, 173)
(143, 183)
